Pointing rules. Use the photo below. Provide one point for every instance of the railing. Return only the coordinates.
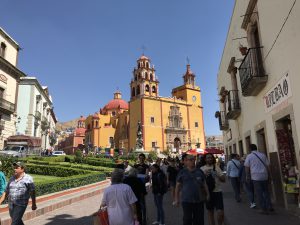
(7, 106)
(38, 115)
(45, 124)
(2, 123)
(234, 106)
(252, 75)
(223, 121)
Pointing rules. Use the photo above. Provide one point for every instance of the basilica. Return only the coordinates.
(171, 124)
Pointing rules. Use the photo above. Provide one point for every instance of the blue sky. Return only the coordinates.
(84, 49)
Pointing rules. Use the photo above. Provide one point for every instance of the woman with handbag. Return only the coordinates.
(119, 200)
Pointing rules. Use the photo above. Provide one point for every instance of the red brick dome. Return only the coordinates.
(80, 131)
(116, 104)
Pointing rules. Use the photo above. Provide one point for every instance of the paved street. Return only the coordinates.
(235, 213)
(80, 213)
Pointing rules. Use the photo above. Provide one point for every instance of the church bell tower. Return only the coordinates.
(144, 82)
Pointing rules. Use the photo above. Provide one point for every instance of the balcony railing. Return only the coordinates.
(2, 123)
(6, 106)
(223, 121)
(234, 106)
(45, 124)
(38, 115)
(252, 74)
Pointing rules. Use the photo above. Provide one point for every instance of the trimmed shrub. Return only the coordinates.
(56, 171)
(78, 156)
(44, 188)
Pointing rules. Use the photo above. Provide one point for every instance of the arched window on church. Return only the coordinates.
(140, 76)
(147, 88)
(153, 89)
(97, 124)
(147, 64)
(135, 77)
(151, 76)
(133, 92)
(138, 91)
(146, 75)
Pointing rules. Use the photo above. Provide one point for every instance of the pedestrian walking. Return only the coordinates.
(159, 188)
(143, 173)
(247, 185)
(233, 168)
(119, 200)
(214, 177)
(2, 182)
(172, 172)
(139, 189)
(194, 192)
(258, 170)
(18, 191)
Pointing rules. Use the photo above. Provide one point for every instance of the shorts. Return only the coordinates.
(215, 202)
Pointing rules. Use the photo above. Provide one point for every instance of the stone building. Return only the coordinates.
(258, 82)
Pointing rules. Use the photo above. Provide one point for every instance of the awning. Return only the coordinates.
(214, 151)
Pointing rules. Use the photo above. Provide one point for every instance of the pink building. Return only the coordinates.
(75, 140)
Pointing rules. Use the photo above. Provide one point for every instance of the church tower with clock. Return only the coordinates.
(173, 124)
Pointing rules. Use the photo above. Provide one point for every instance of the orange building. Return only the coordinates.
(168, 123)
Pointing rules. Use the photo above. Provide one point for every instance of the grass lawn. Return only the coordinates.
(39, 178)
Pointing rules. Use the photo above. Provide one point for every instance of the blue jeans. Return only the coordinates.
(262, 192)
(193, 213)
(16, 213)
(249, 188)
(236, 185)
(158, 200)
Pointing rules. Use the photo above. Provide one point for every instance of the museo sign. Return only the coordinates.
(278, 93)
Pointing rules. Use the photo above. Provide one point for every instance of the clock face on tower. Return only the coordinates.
(194, 98)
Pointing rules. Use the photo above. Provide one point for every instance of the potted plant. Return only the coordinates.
(243, 49)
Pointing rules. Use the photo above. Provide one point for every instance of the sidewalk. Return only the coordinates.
(240, 213)
(51, 202)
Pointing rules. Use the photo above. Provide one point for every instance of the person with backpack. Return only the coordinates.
(159, 188)
(233, 168)
(214, 177)
(194, 192)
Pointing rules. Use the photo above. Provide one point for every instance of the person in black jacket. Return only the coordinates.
(159, 188)
(139, 189)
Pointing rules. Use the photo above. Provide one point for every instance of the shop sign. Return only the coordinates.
(278, 93)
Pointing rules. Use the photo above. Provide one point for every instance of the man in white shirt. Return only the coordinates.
(258, 170)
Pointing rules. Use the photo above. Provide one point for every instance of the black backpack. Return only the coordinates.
(210, 181)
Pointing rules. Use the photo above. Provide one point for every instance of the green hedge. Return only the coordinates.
(44, 188)
(56, 171)
(97, 162)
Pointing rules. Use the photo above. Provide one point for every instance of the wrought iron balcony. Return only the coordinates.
(234, 106)
(45, 124)
(252, 74)
(38, 115)
(2, 123)
(223, 121)
(6, 106)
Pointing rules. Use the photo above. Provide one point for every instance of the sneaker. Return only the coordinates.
(252, 205)
(155, 222)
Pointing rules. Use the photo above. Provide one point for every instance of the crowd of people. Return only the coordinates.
(194, 183)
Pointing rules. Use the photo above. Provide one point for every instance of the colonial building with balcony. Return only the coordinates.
(9, 78)
(258, 83)
(35, 115)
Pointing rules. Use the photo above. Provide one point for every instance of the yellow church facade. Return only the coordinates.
(172, 123)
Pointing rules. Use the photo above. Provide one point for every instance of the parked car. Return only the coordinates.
(57, 153)
(14, 151)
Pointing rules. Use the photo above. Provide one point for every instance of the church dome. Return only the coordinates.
(143, 58)
(116, 104)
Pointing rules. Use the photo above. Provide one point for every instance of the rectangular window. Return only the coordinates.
(153, 144)
(1, 93)
(248, 142)
(241, 149)
(152, 119)
(196, 124)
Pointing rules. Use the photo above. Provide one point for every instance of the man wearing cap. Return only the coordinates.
(19, 189)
